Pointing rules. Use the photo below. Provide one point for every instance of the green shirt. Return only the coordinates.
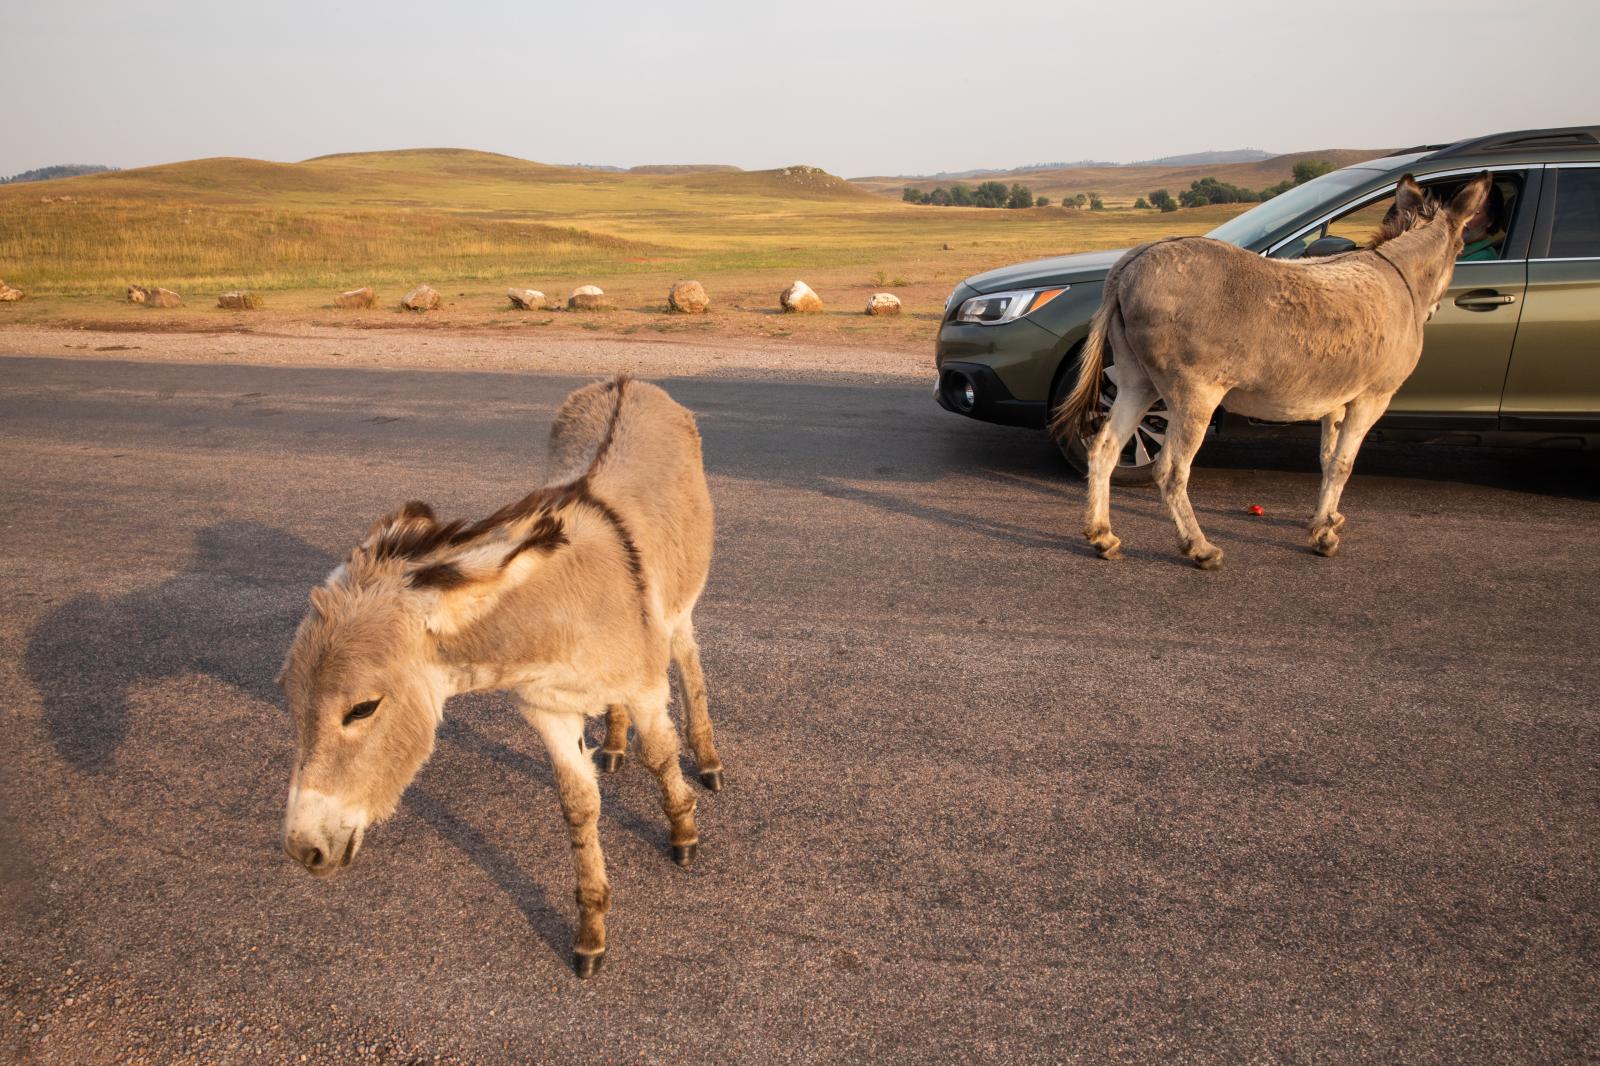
(1483, 249)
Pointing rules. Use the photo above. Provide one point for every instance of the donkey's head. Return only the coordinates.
(1414, 208)
(364, 678)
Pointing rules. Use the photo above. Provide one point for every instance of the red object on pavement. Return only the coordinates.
(1255, 509)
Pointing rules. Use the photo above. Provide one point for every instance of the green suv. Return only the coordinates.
(1512, 356)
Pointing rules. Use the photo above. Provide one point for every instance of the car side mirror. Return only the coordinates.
(1329, 246)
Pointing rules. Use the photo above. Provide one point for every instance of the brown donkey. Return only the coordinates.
(574, 598)
(1199, 323)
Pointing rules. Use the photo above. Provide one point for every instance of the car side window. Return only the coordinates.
(1360, 224)
(1575, 229)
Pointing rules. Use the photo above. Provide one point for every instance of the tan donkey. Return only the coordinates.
(574, 598)
(1200, 323)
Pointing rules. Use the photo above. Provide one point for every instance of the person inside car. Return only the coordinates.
(1486, 229)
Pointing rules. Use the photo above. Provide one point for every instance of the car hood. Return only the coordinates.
(1061, 269)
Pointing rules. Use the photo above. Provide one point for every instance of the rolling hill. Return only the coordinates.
(1124, 184)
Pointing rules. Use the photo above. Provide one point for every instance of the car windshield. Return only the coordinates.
(1256, 223)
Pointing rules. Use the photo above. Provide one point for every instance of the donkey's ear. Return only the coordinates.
(1472, 196)
(400, 529)
(1408, 195)
(462, 582)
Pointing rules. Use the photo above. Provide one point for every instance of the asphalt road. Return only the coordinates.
(990, 799)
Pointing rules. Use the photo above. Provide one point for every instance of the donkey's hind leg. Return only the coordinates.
(696, 713)
(615, 748)
(658, 749)
(1135, 394)
(1189, 413)
(580, 805)
(1337, 463)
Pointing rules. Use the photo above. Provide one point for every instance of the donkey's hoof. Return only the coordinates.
(712, 780)
(1325, 544)
(683, 854)
(1337, 523)
(1107, 545)
(586, 965)
(1208, 558)
(610, 761)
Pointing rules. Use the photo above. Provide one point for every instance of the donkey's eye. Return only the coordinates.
(363, 709)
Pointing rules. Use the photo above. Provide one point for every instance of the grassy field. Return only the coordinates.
(472, 223)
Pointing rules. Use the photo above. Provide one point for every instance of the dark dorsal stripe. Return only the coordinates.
(418, 533)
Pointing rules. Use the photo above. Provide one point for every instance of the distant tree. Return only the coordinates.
(1095, 203)
(1078, 200)
(1041, 201)
(1307, 169)
(1211, 191)
(990, 194)
(1021, 196)
(914, 196)
(65, 170)
(939, 196)
(1142, 204)
(1162, 199)
(960, 195)
(1303, 171)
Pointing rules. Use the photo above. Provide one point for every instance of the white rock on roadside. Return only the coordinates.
(526, 299)
(688, 298)
(587, 298)
(800, 299)
(421, 298)
(883, 303)
(357, 299)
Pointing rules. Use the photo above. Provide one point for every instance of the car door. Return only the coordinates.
(1554, 380)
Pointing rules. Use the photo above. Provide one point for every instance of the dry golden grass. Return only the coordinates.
(470, 223)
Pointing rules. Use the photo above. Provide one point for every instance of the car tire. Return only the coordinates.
(1137, 463)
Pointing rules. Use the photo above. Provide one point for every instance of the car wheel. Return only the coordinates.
(1137, 463)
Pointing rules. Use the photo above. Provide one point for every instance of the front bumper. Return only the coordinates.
(991, 400)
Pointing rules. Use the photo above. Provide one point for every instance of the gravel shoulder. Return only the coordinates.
(304, 345)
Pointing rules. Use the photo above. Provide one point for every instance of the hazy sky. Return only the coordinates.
(856, 88)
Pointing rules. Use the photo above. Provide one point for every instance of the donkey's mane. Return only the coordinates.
(1395, 222)
(414, 533)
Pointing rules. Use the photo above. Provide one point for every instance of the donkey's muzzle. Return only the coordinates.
(319, 855)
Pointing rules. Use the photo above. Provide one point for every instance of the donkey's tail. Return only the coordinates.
(1071, 418)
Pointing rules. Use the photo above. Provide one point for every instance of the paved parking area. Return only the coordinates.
(990, 799)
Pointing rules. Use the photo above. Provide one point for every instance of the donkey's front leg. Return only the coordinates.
(1359, 416)
(580, 804)
(658, 749)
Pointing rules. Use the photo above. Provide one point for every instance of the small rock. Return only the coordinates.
(947, 246)
(526, 299)
(587, 298)
(421, 298)
(162, 298)
(357, 299)
(8, 294)
(239, 301)
(800, 299)
(689, 298)
(883, 303)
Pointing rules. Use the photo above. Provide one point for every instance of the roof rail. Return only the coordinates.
(1524, 140)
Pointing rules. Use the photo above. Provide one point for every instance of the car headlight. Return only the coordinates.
(996, 308)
